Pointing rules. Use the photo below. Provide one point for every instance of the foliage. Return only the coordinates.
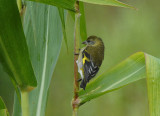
(29, 55)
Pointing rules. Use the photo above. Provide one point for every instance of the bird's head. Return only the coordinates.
(93, 41)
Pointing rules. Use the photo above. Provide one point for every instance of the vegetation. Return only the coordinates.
(30, 43)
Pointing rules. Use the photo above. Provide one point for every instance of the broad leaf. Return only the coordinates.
(43, 30)
(66, 4)
(108, 2)
(14, 54)
(135, 67)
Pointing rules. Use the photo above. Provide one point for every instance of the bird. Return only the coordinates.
(90, 59)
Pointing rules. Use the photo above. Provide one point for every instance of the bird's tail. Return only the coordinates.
(83, 84)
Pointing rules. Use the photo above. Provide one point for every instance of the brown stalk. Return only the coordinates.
(75, 101)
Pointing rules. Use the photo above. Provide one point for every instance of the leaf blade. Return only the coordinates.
(153, 84)
(14, 54)
(117, 77)
(66, 4)
(108, 2)
(83, 30)
(43, 30)
(3, 109)
(61, 13)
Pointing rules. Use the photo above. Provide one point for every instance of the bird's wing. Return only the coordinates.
(90, 69)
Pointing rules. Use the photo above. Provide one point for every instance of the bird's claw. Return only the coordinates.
(79, 80)
(76, 53)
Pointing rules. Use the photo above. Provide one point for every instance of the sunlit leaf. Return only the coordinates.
(14, 54)
(135, 67)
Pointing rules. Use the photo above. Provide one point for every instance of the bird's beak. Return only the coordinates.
(85, 42)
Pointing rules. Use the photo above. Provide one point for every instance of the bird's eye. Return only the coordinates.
(89, 41)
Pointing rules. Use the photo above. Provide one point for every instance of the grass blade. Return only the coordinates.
(14, 54)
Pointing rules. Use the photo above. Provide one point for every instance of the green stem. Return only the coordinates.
(25, 104)
(75, 112)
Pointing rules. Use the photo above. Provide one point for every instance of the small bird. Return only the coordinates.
(90, 59)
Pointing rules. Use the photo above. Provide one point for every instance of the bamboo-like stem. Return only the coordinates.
(75, 101)
(25, 104)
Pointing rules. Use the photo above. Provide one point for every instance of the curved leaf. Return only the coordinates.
(135, 67)
(14, 54)
(43, 30)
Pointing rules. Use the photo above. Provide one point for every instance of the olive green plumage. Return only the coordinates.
(90, 59)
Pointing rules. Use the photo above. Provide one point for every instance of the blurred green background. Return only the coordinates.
(124, 32)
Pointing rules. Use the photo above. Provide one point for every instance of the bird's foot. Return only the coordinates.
(76, 53)
(79, 80)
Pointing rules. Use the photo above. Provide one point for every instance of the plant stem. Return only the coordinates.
(25, 104)
(75, 112)
(75, 101)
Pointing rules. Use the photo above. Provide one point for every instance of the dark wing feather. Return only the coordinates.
(90, 70)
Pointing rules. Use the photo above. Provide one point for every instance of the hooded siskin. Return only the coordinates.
(90, 59)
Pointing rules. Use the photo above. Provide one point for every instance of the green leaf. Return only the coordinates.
(66, 4)
(83, 31)
(135, 67)
(3, 109)
(130, 70)
(2, 105)
(153, 84)
(43, 30)
(14, 54)
(61, 13)
(17, 111)
(108, 2)
(3, 112)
